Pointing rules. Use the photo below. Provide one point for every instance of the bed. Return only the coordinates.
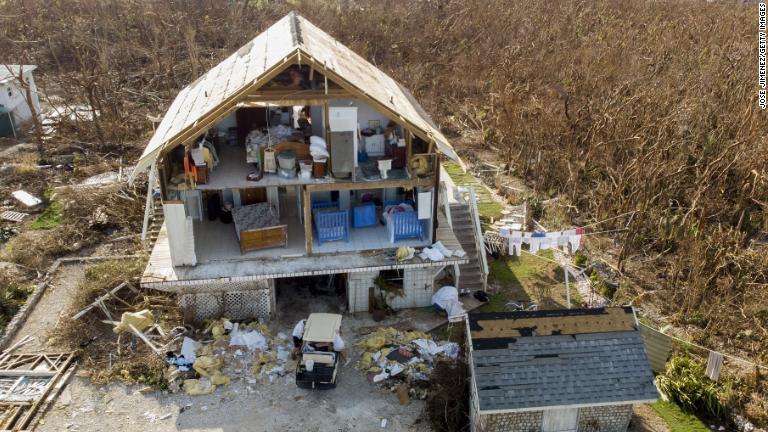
(330, 222)
(402, 222)
(258, 227)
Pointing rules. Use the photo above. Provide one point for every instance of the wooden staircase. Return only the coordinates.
(471, 275)
(155, 223)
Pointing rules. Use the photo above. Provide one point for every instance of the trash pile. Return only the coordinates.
(405, 356)
(229, 351)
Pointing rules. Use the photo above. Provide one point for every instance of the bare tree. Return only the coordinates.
(29, 98)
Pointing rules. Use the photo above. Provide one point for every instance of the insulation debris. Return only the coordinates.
(405, 356)
(228, 351)
(142, 320)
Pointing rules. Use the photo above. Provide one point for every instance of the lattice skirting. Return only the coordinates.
(234, 300)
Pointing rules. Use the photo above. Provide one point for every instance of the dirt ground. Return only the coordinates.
(245, 405)
(50, 309)
(645, 419)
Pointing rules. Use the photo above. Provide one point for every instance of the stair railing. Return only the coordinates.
(149, 205)
(479, 243)
(446, 205)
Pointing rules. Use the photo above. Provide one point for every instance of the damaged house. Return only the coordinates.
(293, 158)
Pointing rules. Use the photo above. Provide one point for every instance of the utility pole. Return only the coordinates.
(567, 287)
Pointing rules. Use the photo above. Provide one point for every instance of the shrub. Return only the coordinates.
(685, 383)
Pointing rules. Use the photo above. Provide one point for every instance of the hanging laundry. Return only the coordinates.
(539, 241)
(714, 365)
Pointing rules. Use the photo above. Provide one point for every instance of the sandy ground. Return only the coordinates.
(245, 405)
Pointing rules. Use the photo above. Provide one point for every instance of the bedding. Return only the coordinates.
(254, 216)
(392, 209)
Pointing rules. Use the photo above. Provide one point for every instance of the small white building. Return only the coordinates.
(14, 109)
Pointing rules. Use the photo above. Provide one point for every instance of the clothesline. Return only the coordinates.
(610, 218)
(604, 232)
(555, 262)
(732, 357)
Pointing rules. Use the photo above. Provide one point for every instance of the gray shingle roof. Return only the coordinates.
(561, 370)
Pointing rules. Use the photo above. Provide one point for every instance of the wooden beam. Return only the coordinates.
(288, 94)
(408, 144)
(327, 133)
(366, 185)
(28, 373)
(229, 105)
(307, 221)
(394, 116)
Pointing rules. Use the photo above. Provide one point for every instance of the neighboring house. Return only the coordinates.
(227, 240)
(14, 108)
(557, 370)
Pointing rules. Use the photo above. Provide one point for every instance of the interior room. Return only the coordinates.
(342, 221)
(242, 182)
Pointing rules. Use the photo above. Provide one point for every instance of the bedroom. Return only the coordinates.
(274, 218)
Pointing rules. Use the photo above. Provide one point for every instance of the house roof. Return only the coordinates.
(526, 361)
(9, 72)
(290, 40)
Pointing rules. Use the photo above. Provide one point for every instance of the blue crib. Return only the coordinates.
(406, 225)
(330, 225)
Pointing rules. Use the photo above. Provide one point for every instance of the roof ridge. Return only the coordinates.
(296, 38)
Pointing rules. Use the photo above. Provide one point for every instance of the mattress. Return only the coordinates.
(254, 216)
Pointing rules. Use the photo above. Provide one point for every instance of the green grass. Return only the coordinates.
(48, 219)
(678, 420)
(486, 204)
(522, 278)
(11, 299)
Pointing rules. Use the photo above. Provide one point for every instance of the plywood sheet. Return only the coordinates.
(613, 319)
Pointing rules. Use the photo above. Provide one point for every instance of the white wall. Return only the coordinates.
(227, 122)
(13, 96)
(181, 237)
(364, 111)
(418, 286)
(357, 290)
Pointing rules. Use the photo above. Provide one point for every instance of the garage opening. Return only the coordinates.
(297, 297)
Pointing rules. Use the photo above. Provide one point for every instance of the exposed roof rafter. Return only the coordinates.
(218, 92)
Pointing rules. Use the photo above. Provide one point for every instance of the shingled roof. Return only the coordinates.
(527, 361)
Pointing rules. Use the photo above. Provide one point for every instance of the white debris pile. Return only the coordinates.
(447, 299)
(406, 356)
(228, 351)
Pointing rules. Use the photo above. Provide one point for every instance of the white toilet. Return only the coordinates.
(384, 166)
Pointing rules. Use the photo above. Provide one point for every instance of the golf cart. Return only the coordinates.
(317, 365)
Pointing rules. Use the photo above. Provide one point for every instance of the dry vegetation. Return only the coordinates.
(615, 106)
(105, 356)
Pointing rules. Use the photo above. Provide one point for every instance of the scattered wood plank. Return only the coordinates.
(99, 302)
(146, 340)
(38, 380)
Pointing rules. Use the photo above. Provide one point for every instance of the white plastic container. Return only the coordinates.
(286, 160)
(305, 170)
